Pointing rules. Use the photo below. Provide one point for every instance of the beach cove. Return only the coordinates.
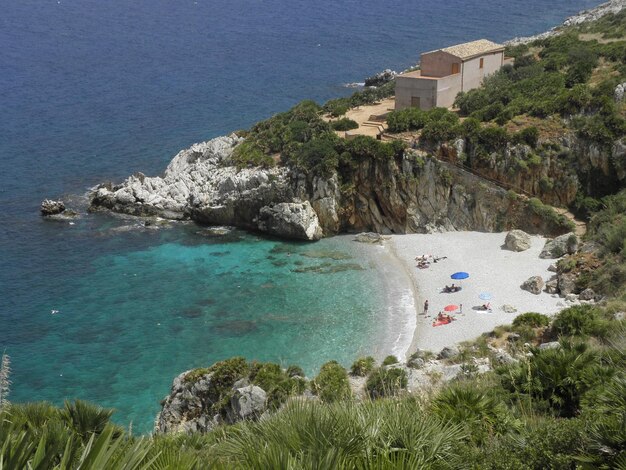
(492, 269)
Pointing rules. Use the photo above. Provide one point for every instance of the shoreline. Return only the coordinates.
(492, 269)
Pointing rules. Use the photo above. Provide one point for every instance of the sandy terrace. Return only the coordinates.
(491, 268)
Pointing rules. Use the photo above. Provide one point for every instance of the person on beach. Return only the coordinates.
(426, 307)
(460, 308)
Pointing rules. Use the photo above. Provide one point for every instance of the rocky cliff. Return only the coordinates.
(553, 171)
(406, 195)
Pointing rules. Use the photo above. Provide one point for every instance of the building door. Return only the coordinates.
(456, 68)
(415, 102)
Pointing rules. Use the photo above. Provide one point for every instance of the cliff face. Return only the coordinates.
(553, 172)
(407, 195)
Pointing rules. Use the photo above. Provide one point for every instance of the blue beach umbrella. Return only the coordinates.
(460, 275)
(485, 296)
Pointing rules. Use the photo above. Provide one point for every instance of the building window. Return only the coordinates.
(415, 102)
(482, 63)
(456, 68)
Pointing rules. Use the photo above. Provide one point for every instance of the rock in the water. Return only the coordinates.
(50, 207)
(448, 352)
(380, 78)
(517, 240)
(560, 246)
(291, 220)
(533, 285)
(587, 294)
(368, 237)
(247, 403)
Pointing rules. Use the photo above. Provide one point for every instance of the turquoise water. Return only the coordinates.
(94, 90)
(136, 319)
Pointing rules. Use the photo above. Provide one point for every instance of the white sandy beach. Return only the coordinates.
(491, 268)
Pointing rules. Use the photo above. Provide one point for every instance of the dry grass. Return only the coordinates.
(549, 128)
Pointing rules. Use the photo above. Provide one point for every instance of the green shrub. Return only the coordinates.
(295, 371)
(493, 139)
(385, 382)
(482, 414)
(332, 384)
(344, 124)
(363, 366)
(556, 380)
(528, 136)
(409, 119)
(580, 320)
(532, 319)
(278, 384)
(224, 375)
(390, 360)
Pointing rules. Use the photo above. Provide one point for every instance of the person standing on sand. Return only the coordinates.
(426, 307)
(460, 308)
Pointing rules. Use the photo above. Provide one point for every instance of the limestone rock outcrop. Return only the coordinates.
(560, 246)
(190, 408)
(517, 240)
(533, 284)
(50, 207)
(413, 193)
(290, 219)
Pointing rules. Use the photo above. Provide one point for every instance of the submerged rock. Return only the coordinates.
(369, 237)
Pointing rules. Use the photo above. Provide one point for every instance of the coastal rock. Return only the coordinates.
(380, 78)
(567, 284)
(448, 352)
(550, 345)
(587, 294)
(552, 285)
(182, 409)
(619, 92)
(560, 246)
(247, 403)
(612, 6)
(503, 357)
(534, 285)
(50, 207)
(291, 220)
(517, 240)
(508, 309)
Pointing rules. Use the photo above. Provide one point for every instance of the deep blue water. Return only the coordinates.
(93, 90)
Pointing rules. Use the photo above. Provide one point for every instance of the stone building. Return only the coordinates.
(446, 72)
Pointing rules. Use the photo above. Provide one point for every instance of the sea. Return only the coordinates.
(106, 310)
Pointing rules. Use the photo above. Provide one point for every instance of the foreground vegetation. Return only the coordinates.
(560, 407)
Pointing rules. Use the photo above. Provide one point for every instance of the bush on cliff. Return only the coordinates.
(363, 366)
(386, 382)
(277, 383)
(580, 320)
(331, 384)
(532, 319)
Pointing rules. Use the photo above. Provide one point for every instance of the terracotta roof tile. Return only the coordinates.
(470, 49)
